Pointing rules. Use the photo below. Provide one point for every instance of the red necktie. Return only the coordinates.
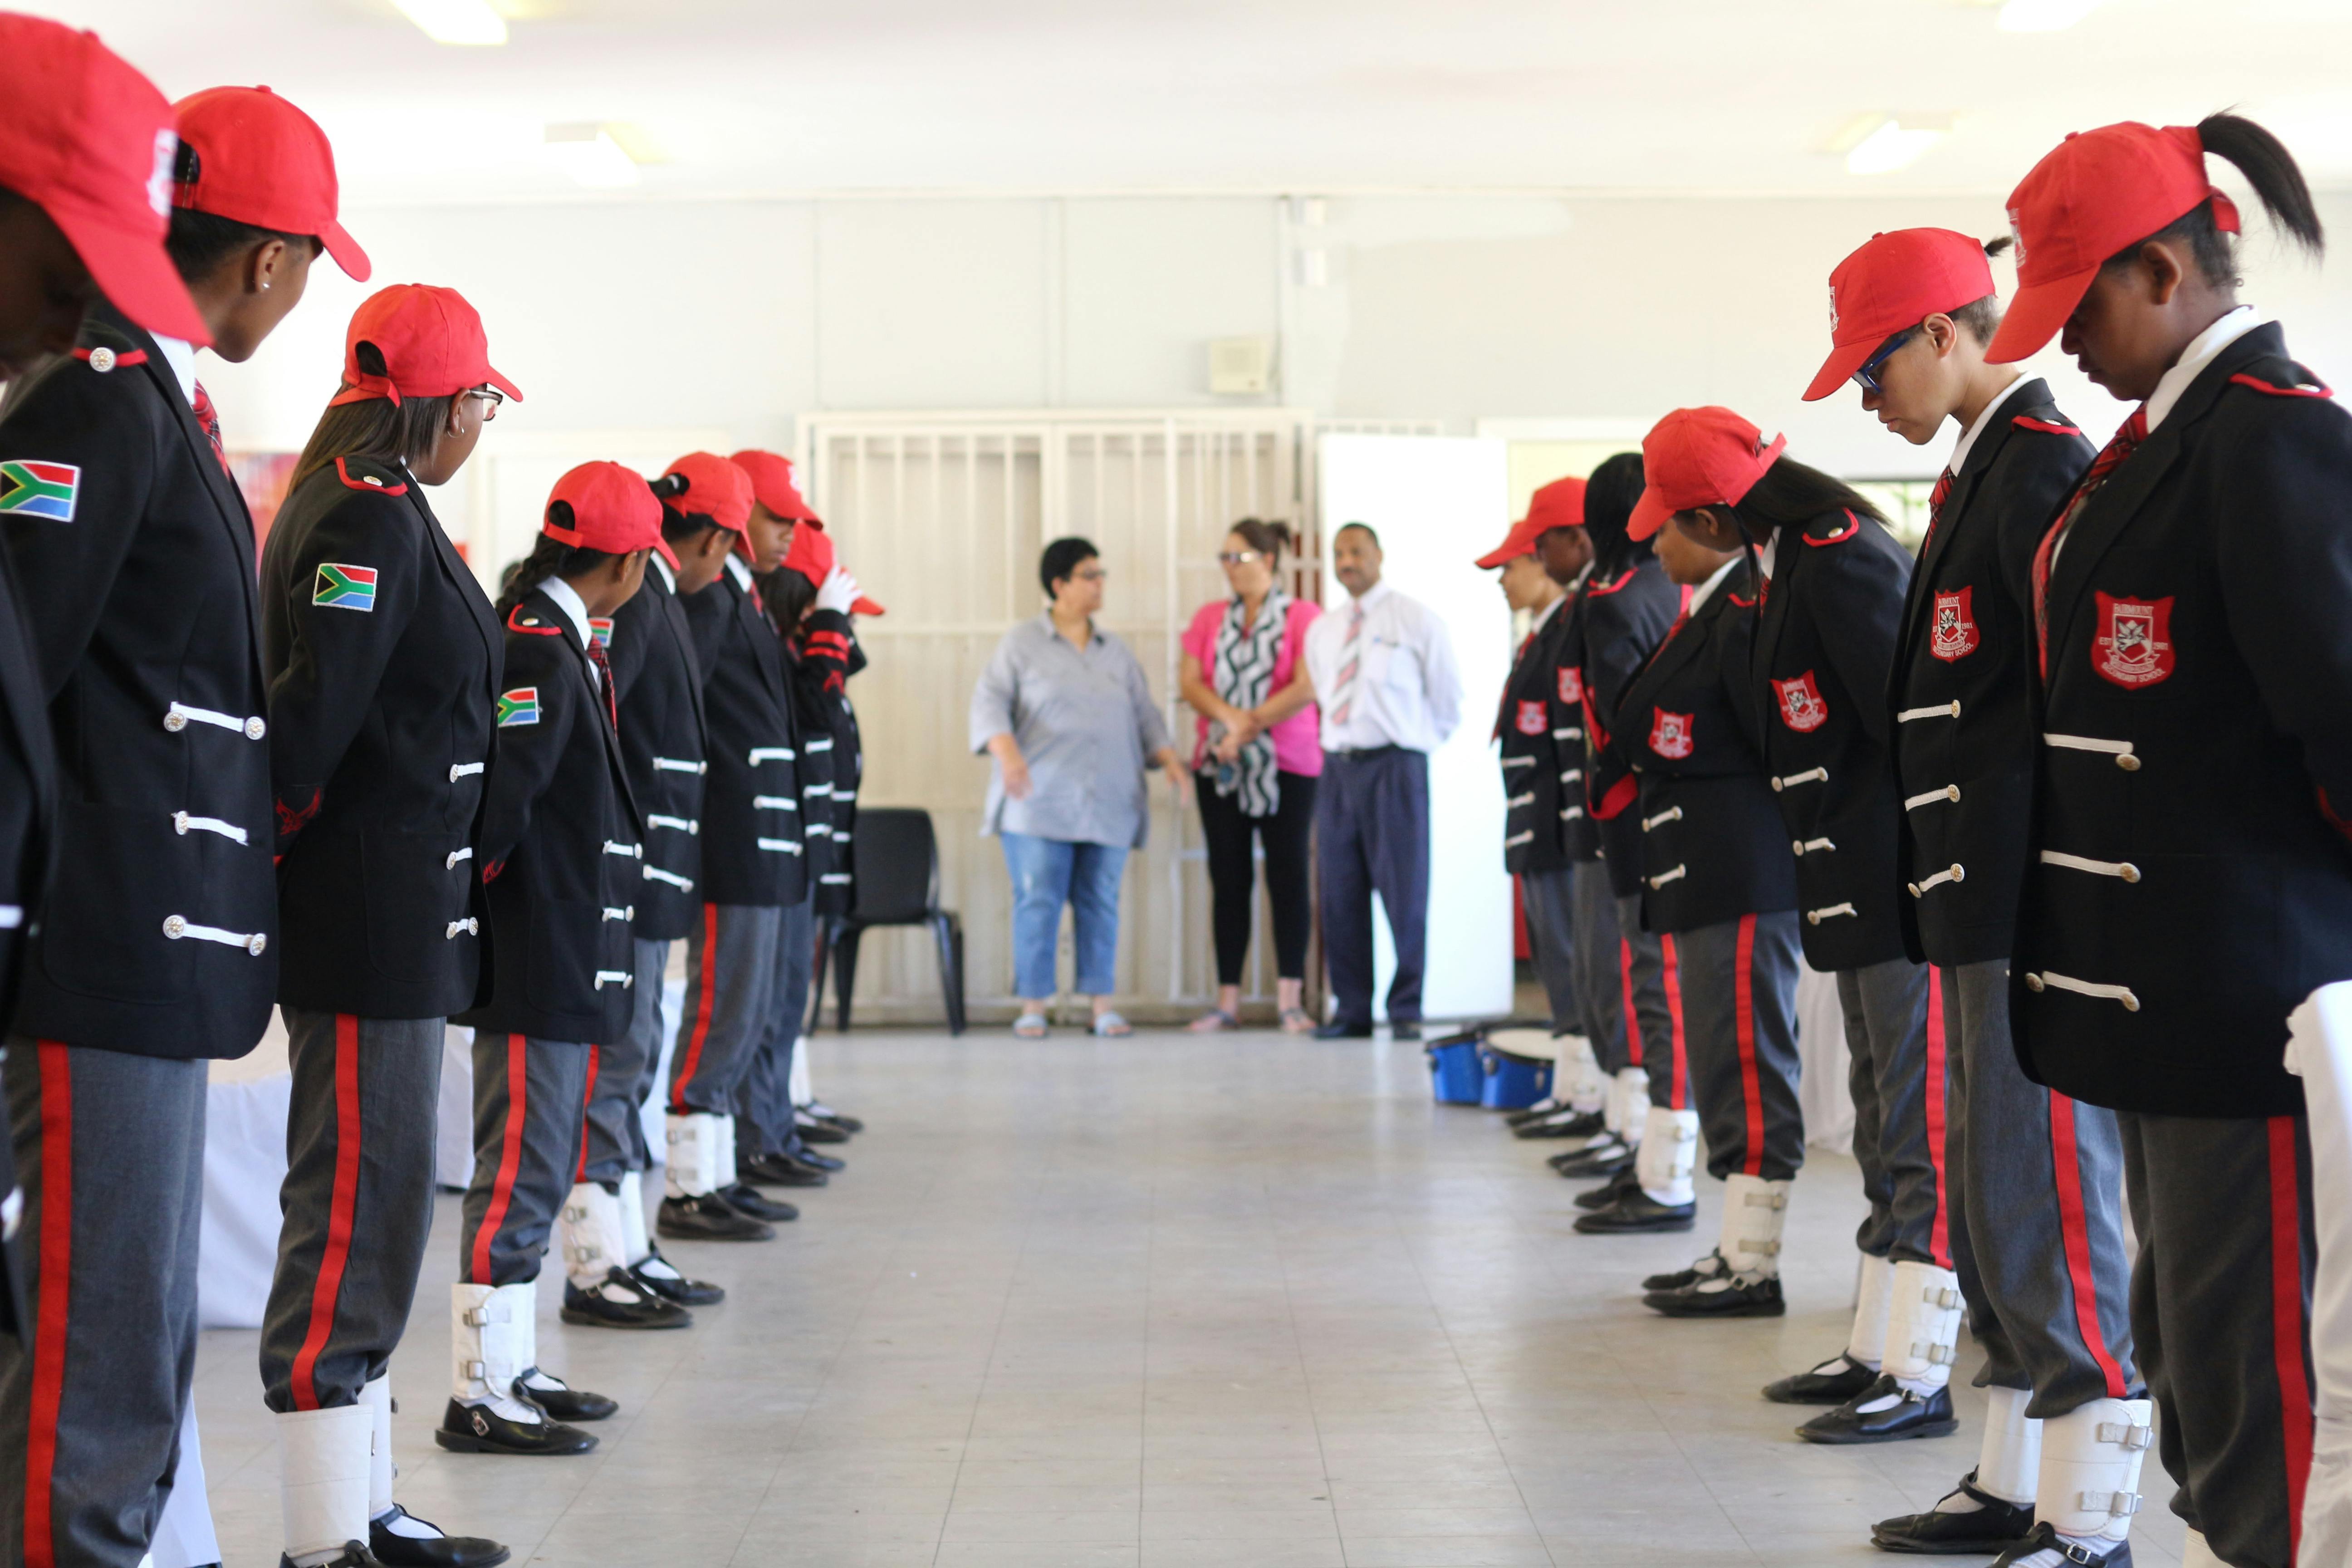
(1936, 499)
(208, 420)
(2110, 458)
(604, 682)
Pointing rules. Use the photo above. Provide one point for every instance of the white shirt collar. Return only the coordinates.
(567, 599)
(1770, 552)
(181, 356)
(1372, 595)
(739, 571)
(1545, 615)
(1706, 591)
(2197, 357)
(1967, 441)
(669, 578)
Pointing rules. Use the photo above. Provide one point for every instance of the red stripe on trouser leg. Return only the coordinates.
(341, 1211)
(1674, 980)
(56, 1285)
(1625, 991)
(587, 1098)
(1743, 1014)
(2287, 1321)
(2074, 1236)
(509, 1160)
(708, 974)
(1939, 1236)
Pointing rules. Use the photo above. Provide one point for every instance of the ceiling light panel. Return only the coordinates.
(2043, 15)
(1896, 144)
(455, 21)
(589, 155)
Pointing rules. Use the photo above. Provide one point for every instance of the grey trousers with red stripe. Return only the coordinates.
(1615, 958)
(624, 1078)
(2221, 1311)
(1548, 901)
(110, 1151)
(358, 1202)
(530, 1102)
(1732, 998)
(763, 1102)
(730, 991)
(2036, 1202)
(1896, 1101)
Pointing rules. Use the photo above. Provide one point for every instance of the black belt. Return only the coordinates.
(1361, 752)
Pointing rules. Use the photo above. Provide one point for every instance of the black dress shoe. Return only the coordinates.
(1536, 1112)
(1832, 1382)
(1566, 1124)
(636, 1307)
(1606, 1195)
(816, 1131)
(563, 1402)
(745, 1199)
(2042, 1537)
(1721, 1298)
(707, 1218)
(840, 1118)
(1636, 1212)
(1408, 1030)
(435, 1551)
(1603, 1157)
(1711, 1267)
(352, 1555)
(1338, 1031)
(800, 1153)
(780, 1170)
(671, 1286)
(478, 1429)
(1995, 1524)
(1885, 1412)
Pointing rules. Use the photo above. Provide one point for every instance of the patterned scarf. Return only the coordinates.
(1243, 676)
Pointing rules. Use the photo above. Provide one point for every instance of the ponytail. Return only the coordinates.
(2278, 183)
(1610, 496)
(1791, 494)
(548, 558)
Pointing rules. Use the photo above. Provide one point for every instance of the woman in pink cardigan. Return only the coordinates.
(1258, 754)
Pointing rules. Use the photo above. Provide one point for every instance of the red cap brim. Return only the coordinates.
(503, 385)
(1650, 514)
(1501, 553)
(862, 605)
(1839, 368)
(2036, 315)
(346, 251)
(133, 272)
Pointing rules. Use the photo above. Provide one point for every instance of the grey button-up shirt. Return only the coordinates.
(1087, 726)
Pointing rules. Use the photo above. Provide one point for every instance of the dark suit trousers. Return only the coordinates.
(1371, 827)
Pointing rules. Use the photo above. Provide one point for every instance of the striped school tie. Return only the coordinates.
(2111, 458)
(1351, 660)
(208, 421)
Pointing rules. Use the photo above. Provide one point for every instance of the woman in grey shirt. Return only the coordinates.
(1065, 710)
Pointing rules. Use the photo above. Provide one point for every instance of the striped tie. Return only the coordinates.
(2111, 458)
(1936, 499)
(1351, 659)
(208, 420)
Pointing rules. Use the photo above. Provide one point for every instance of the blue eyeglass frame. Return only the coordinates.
(1867, 377)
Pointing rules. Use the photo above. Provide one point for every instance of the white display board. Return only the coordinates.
(1438, 504)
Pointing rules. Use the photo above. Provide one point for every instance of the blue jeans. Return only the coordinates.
(1047, 874)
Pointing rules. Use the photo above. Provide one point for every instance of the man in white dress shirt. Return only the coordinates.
(1385, 680)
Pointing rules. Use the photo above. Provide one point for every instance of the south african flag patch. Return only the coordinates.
(30, 489)
(344, 587)
(520, 706)
(600, 628)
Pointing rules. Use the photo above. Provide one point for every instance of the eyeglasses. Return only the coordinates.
(1090, 573)
(492, 398)
(1867, 377)
(1238, 557)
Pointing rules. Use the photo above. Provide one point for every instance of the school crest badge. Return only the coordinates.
(1801, 708)
(1670, 733)
(1953, 633)
(1530, 720)
(2132, 646)
(1571, 685)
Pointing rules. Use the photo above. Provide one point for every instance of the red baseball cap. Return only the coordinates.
(1895, 282)
(88, 140)
(812, 556)
(1560, 504)
(432, 342)
(715, 489)
(2098, 193)
(612, 510)
(1699, 457)
(772, 486)
(261, 161)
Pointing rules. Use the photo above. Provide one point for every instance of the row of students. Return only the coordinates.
(2065, 942)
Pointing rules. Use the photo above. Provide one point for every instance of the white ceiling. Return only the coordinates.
(802, 96)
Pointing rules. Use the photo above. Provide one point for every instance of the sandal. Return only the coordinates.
(1110, 1026)
(1029, 1027)
(1294, 1021)
(1216, 1021)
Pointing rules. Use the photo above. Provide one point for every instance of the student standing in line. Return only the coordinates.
(562, 847)
(133, 559)
(384, 659)
(657, 683)
(2036, 1179)
(2189, 883)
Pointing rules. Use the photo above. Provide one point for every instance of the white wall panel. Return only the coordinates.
(933, 304)
(1149, 282)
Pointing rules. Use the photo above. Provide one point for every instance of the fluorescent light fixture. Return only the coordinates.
(1894, 143)
(455, 21)
(589, 154)
(2043, 15)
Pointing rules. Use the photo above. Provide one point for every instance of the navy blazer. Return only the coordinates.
(664, 746)
(1625, 617)
(754, 845)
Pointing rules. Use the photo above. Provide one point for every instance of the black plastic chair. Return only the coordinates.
(897, 861)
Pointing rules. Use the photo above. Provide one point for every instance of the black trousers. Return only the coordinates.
(1371, 825)
(1233, 878)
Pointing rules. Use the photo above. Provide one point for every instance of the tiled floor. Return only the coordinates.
(1167, 1303)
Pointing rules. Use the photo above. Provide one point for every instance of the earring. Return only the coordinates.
(265, 285)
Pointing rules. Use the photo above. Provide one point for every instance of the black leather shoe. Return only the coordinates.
(435, 1551)
(671, 1286)
(815, 1132)
(478, 1429)
(1833, 1381)
(640, 1309)
(840, 1118)
(1335, 1031)
(2044, 1538)
(1604, 1157)
(707, 1218)
(1711, 1267)
(1606, 1195)
(1995, 1524)
(780, 1170)
(352, 1555)
(1721, 1298)
(1536, 1112)
(1885, 1412)
(1563, 1124)
(563, 1402)
(1636, 1212)
(1408, 1030)
(745, 1199)
(800, 1153)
